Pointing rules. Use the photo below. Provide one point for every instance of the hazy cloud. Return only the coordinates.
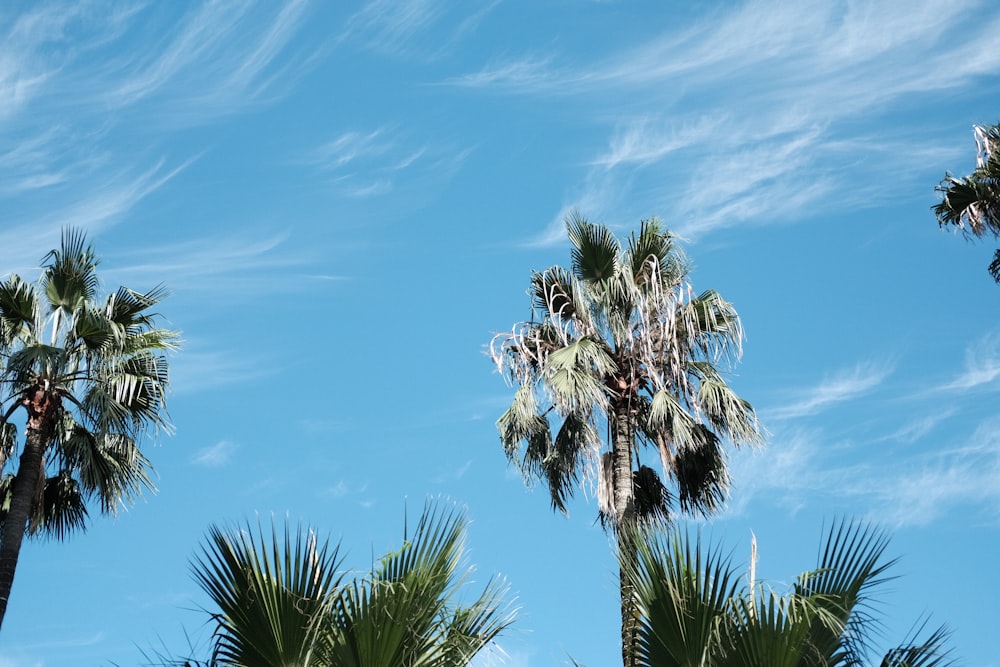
(216, 456)
(842, 386)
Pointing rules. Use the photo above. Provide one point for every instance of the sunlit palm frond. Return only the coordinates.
(69, 278)
(406, 613)
(972, 203)
(773, 630)
(727, 413)
(271, 593)
(850, 568)
(575, 376)
(683, 591)
(128, 308)
(652, 256)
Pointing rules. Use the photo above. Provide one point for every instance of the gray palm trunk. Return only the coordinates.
(42, 406)
(623, 436)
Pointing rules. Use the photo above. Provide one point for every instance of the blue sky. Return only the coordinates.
(347, 199)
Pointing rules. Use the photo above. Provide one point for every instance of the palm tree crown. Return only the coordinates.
(285, 600)
(620, 341)
(91, 376)
(972, 203)
(694, 611)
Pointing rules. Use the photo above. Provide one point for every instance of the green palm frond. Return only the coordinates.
(850, 569)
(683, 591)
(128, 308)
(652, 257)
(70, 276)
(595, 250)
(773, 630)
(931, 652)
(552, 294)
(562, 464)
(405, 612)
(60, 508)
(575, 376)
(271, 592)
(702, 474)
(110, 466)
(18, 309)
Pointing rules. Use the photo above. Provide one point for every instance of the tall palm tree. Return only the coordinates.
(694, 610)
(91, 376)
(620, 341)
(972, 203)
(286, 601)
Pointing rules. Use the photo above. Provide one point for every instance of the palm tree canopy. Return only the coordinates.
(103, 364)
(695, 611)
(282, 598)
(972, 203)
(621, 336)
(91, 374)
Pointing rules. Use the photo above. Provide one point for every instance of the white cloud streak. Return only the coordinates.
(216, 456)
(798, 78)
(982, 365)
(844, 385)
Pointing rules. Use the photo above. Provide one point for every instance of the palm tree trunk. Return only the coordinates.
(623, 437)
(42, 408)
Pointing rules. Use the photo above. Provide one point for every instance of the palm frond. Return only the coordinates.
(575, 376)
(18, 309)
(683, 591)
(69, 278)
(652, 498)
(562, 464)
(60, 509)
(595, 250)
(702, 474)
(931, 652)
(271, 593)
(850, 568)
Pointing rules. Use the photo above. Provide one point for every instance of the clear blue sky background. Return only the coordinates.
(347, 199)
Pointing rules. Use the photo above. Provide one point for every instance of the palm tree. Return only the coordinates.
(972, 203)
(91, 377)
(695, 612)
(286, 601)
(621, 342)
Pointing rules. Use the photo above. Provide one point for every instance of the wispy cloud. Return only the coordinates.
(360, 164)
(256, 263)
(216, 456)
(775, 148)
(221, 57)
(940, 482)
(397, 27)
(842, 386)
(982, 365)
(802, 467)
